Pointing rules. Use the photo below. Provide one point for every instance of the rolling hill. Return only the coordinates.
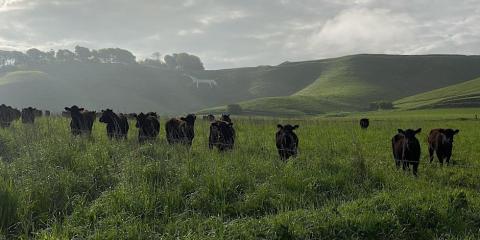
(466, 94)
(351, 83)
(292, 88)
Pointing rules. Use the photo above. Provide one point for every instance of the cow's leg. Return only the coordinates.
(440, 157)
(448, 159)
(415, 168)
(431, 153)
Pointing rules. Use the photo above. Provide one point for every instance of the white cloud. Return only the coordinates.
(364, 30)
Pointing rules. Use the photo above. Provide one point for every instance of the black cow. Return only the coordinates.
(117, 126)
(406, 149)
(364, 123)
(222, 135)
(286, 141)
(181, 130)
(82, 120)
(47, 113)
(8, 115)
(28, 115)
(209, 118)
(148, 126)
(441, 141)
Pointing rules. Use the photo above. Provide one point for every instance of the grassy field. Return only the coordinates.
(343, 184)
(458, 95)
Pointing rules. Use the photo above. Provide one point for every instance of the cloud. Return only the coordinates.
(244, 33)
(364, 30)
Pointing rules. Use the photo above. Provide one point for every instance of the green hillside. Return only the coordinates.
(352, 82)
(293, 88)
(466, 94)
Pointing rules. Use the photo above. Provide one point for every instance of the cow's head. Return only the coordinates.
(107, 116)
(409, 133)
(190, 119)
(287, 128)
(448, 135)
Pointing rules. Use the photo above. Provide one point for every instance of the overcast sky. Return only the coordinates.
(235, 33)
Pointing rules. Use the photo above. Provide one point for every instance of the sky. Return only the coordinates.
(239, 33)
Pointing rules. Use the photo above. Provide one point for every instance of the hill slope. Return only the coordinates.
(466, 94)
(341, 84)
(352, 82)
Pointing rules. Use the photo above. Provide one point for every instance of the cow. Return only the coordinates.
(364, 123)
(222, 135)
(8, 115)
(82, 120)
(209, 118)
(406, 149)
(148, 126)
(226, 118)
(37, 113)
(117, 125)
(181, 130)
(440, 141)
(28, 115)
(286, 141)
(47, 113)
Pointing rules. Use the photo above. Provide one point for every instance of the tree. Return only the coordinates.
(116, 55)
(234, 109)
(170, 62)
(65, 55)
(156, 56)
(188, 62)
(184, 61)
(82, 54)
(36, 56)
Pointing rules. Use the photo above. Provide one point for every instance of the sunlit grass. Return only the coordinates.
(342, 185)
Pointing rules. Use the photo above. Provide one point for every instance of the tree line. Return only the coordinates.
(33, 56)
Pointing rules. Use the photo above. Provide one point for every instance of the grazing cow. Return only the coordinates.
(181, 130)
(441, 142)
(209, 118)
(148, 126)
(286, 141)
(406, 149)
(364, 123)
(222, 135)
(117, 126)
(28, 115)
(82, 120)
(47, 113)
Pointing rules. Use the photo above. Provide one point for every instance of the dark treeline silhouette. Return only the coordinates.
(33, 56)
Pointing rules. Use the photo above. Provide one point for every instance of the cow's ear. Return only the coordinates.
(81, 109)
(457, 131)
(418, 131)
(296, 126)
(68, 109)
(279, 126)
(400, 131)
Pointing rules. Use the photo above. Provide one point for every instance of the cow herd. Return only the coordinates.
(405, 145)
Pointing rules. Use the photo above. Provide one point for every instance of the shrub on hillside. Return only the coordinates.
(234, 109)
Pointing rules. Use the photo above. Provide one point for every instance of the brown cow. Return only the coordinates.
(82, 120)
(181, 130)
(406, 149)
(286, 141)
(441, 141)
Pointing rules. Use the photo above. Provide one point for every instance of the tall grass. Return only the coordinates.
(343, 184)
